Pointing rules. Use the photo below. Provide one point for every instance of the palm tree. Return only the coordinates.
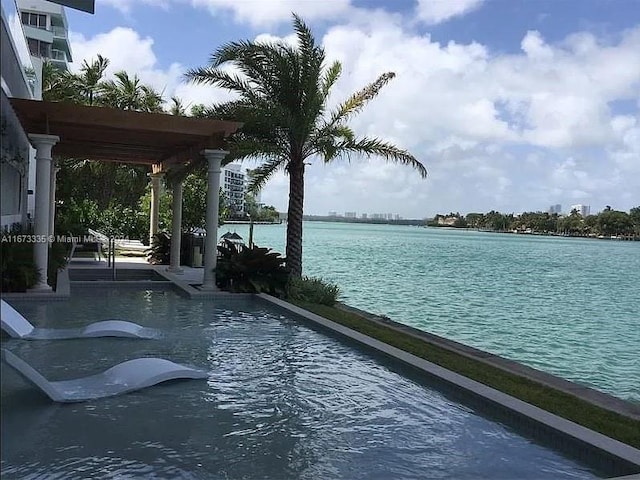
(59, 85)
(283, 94)
(83, 88)
(91, 77)
(177, 107)
(129, 93)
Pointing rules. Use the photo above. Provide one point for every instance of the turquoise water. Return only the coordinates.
(282, 401)
(567, 306)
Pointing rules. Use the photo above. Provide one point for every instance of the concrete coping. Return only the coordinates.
(624, 454)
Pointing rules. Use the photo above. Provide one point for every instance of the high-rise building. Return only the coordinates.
(350, 215)
(556, 208)
(233, 187)
(46, 30)
(583, 210)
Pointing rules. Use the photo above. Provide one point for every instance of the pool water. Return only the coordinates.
(283, 401)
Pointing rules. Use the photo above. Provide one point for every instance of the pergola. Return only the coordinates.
(166, 142)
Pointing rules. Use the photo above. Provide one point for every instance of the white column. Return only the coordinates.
(176, 227)
(52, 198)
(155, 205)
(214, 159)
(43, 145)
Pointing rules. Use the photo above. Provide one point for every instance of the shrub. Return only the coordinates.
(160, 251)
(251, 270)
(75, 217)
(18, 270)
(313, 290)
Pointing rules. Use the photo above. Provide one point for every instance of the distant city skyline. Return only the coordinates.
(584, 210)
(512, 106)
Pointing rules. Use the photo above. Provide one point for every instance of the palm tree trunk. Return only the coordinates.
(294, 218)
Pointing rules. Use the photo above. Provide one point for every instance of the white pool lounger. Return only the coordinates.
(19, 327)
(122, 378)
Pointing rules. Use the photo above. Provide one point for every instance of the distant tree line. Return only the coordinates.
(607, 223)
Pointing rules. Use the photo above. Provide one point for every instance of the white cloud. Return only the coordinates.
(124, 47)
(125, 6)
(515, 131)
(432, 12)
(128, 51)
(269, 13)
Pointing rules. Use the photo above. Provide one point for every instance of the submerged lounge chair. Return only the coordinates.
(19, 327)
(122, 378)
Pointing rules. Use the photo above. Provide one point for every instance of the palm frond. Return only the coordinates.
(326, 140)
(356, 102)
(261, 175)
(329, 78)
(370, 147)
(220, 78)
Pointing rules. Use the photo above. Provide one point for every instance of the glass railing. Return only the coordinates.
(30, 76)
(58, 55)
(59, 31)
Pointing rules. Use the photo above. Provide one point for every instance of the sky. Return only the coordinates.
(511, 105)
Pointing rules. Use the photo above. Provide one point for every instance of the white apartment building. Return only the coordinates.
(583, 210)
(46, 30)
(234, 187)
(21, 74)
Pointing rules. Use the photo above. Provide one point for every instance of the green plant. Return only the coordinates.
(120, 221)
(160, 251)
(17, 267)
(251, 270)
(18, 271)
(313, 290)
(75, 217)
(57, 260)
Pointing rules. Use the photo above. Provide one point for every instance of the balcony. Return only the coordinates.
(58, 56)
(59, 32)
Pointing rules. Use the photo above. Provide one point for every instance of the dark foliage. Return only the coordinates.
(160, 251)
(251, 270)
(18, 270)
(313, 290)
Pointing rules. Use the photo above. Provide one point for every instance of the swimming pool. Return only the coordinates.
(282, 401)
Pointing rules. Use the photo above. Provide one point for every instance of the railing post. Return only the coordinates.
(112, 254)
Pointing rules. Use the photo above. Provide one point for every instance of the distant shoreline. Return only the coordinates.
(372, 221)
(422, 223)
(247, 222)
(626, 238)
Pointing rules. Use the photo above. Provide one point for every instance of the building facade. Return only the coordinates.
(583, 210)
(555, 208)
(46, 30)
(234, 188)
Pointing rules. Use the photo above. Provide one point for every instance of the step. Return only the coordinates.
(106, 274)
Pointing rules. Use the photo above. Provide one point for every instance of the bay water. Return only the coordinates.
(567, 306)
